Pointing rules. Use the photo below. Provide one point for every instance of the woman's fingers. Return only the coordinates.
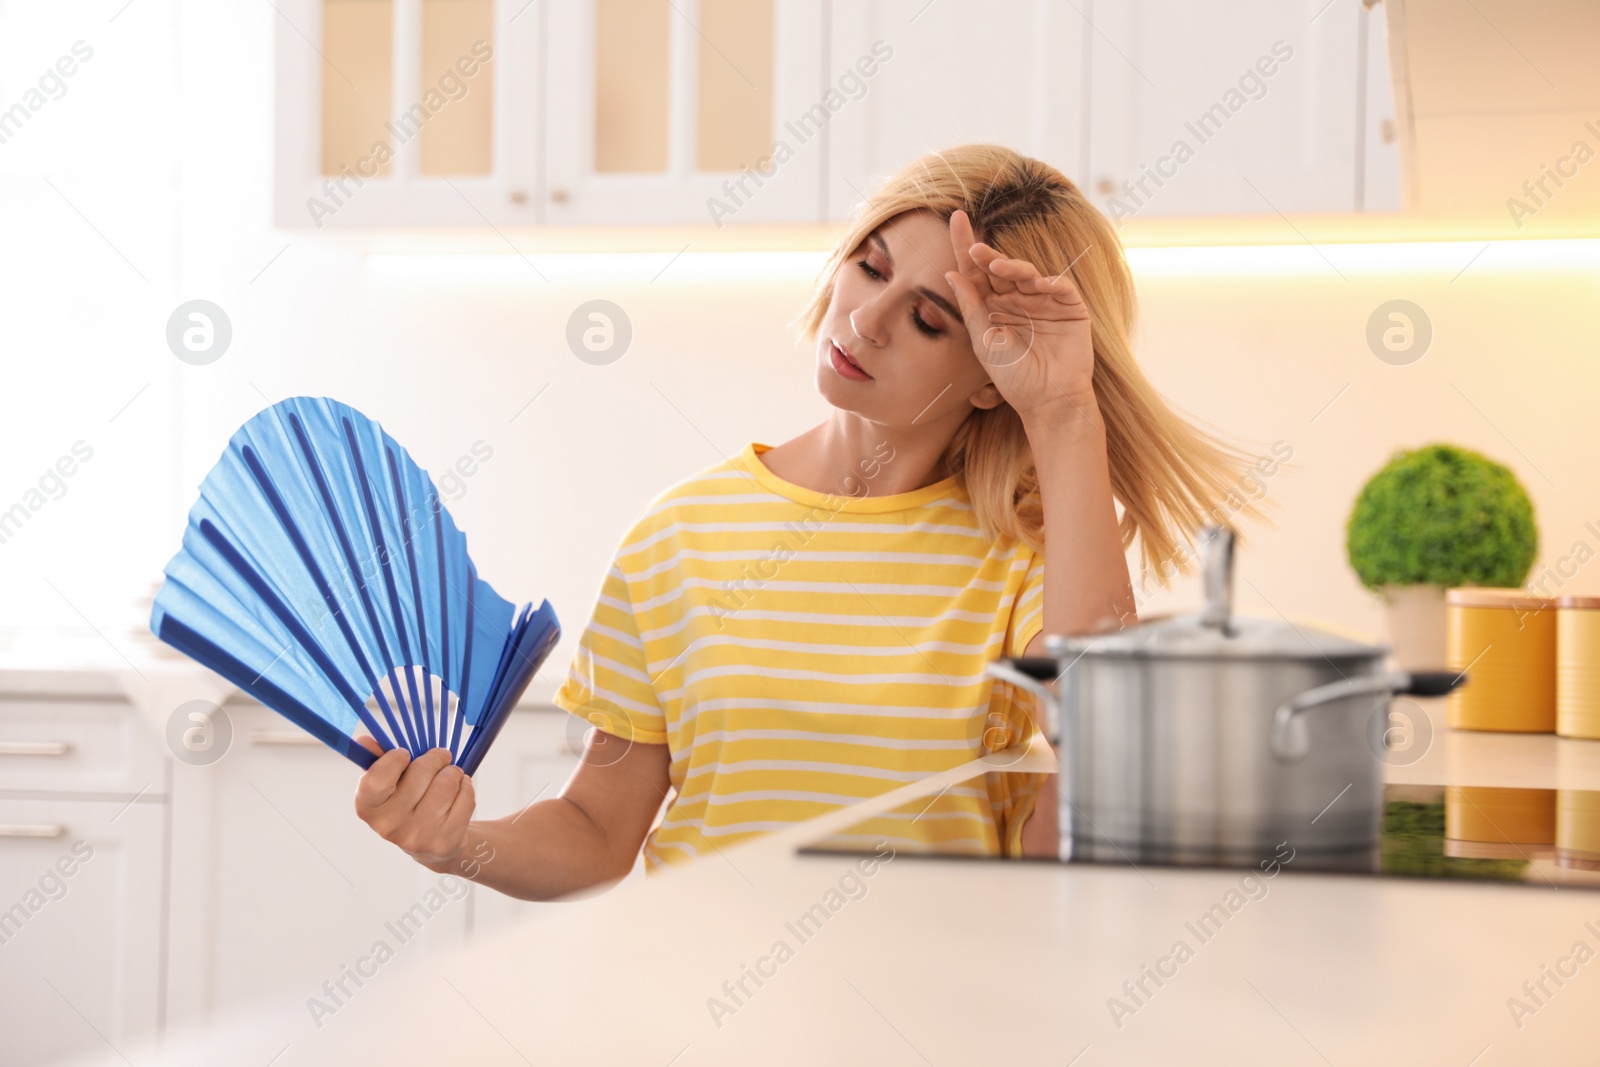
(370, 744)
(437, 798)
(966, 248)
(415, 803)
(418, 777)
(460, 813)
(996, 268)
(378, 784)
(961, 242)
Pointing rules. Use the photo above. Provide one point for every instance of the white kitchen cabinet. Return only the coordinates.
(286, 886)
(407, 113)
(1010, 72)
(704, 112)
(1253, 108)
(83, 861)
(81, 925)
(735, 112)
(278, 887)
(1379, 161)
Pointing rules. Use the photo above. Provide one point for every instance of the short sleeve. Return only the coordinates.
(608, 683)
(1027, 615)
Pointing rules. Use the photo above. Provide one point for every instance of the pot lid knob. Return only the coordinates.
(1216, 563)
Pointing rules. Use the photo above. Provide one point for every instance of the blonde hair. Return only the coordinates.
(1170, 477)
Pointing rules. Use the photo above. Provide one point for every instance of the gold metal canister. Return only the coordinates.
(1505, 639)
(1495, 823)
(1578, 828)
(1578, 666)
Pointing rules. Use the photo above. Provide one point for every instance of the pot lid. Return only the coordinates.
(1243, 637)
(1215, 631)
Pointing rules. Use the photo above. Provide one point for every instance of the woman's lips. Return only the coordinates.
(846, 367)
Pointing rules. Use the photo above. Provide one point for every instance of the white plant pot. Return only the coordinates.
(1416, 616)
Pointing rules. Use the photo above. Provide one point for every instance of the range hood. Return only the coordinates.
(1497, 108)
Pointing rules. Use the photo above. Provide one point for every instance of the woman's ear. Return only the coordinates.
(987, 397)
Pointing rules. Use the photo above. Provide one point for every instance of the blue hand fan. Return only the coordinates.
(321, 574)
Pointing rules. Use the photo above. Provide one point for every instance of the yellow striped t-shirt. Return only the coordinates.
(800, 650)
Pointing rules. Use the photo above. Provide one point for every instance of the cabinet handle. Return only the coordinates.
(282, 737)
(35, 748)
(32, 830)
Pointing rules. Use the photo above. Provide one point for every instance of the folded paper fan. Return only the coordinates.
(321, 573)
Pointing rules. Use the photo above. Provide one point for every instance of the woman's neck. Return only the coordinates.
(847, 451)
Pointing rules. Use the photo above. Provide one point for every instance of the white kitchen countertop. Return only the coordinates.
(921, 960)
(948, 960)
(134, 666)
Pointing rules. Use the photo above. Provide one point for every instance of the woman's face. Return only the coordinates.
(894, 315)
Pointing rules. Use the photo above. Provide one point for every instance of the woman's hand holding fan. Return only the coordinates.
(421, 805)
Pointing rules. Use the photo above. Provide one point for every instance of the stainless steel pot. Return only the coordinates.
(1213, 738)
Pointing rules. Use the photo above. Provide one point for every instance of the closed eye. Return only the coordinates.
(916, 318)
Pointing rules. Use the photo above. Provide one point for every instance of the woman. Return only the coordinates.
(806, 625)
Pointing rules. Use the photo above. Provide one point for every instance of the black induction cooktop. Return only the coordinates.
(1532, 837)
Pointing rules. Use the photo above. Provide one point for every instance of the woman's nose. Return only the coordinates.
(865, 321)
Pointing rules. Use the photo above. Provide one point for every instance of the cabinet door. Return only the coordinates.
(1380, 149)
(1246, 108)
(684, 111)
(1011, 72)
(80, 925)
(406, 112)
(303, 888)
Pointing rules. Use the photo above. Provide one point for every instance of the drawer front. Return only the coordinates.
(79, 747)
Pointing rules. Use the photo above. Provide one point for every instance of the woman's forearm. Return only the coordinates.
(549, 849)
(1086, 586)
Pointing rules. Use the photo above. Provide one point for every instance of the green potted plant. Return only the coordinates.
(1433, 518)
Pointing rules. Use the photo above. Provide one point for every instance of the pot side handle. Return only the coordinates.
(1043, 668)
(1289, 742)
(1433, 683)
(1031, 673)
